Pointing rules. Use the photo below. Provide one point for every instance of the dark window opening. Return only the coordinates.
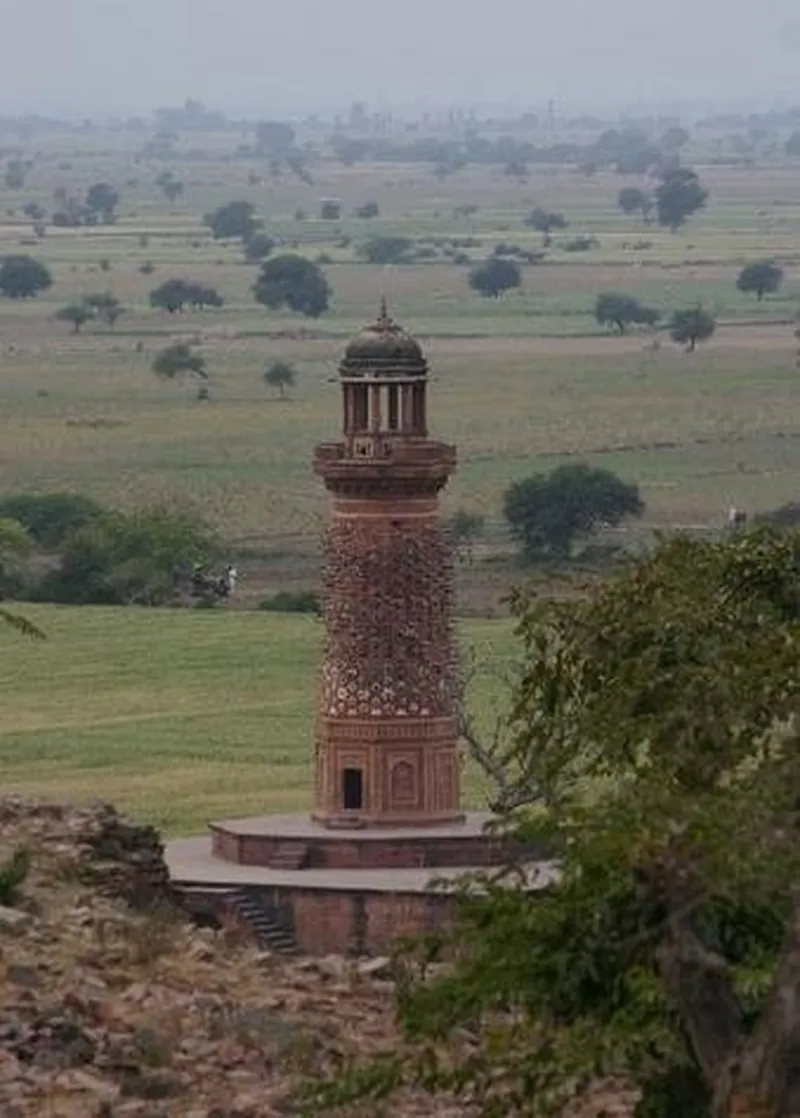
(353, 789)
(393, 411)
(418, 409)
(360, 407)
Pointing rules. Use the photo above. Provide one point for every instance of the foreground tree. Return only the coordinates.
(679, 195)
(621, 311)
(495, 277)
(656, 722)
(762, 277)
(280, 375)
(547, 513)
(690, 326)
(545, 221)
(293, 282)
(22, 277)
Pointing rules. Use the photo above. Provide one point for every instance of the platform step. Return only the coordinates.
(267, 929)
(291, 856)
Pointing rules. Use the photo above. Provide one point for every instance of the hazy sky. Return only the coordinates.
(276, 57)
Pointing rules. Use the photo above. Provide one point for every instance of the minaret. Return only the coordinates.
(386, 746)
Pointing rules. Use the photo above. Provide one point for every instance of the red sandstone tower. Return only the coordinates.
(386, 746)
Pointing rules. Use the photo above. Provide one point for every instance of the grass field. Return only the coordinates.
(179, 716)
(184, 716)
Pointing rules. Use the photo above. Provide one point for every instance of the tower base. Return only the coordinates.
(331, 891)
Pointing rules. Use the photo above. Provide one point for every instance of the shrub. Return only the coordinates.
(49, 518)
(119, 559)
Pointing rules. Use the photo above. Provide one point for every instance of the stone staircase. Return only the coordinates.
(262, 920)
(291, 856)
(208, 903)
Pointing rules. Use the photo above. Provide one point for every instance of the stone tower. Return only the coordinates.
(386, 744)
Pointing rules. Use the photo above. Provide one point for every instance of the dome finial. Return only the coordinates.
(383, 318)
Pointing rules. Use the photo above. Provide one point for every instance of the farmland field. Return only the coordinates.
(179, 716)
(182, 716)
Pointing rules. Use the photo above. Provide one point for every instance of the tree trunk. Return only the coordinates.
(692, 346)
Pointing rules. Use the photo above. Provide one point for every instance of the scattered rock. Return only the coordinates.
(11, 919)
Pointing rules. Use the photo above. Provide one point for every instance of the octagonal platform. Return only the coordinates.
(343, 891)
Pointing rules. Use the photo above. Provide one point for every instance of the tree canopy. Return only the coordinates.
(495, 277)
(293, 282)
(177, 359)
(257, 247)
(692, 325)
(387, 250)
(174, 294)
(632, 200)
(679, 195)
(621, 311)
(545, 221)
(280, 375)
(77, 314)
(547, 513)
(655, 724)
(234, 219)
(101, 202)
(762, 277)
(23, 277)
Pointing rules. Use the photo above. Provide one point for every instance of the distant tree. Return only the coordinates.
(275, 138)
(621, 311)
(368, 210)
(464, 528)
(200, 296)
(49, 518)
(178, 359)
(674, 139)
(171, 296)
(106, 306)
(170, 187)
(678, 196)
(280, 375)
(234, 219)
(690, 326)
(293, 282)
(792, 146)
(545, 221)
(101, 202)
(22, 277)
(548, 512)
(77, 314)
(15, 545)
(330, 210)
(386, 250)
(174, 294)
(632, 200)
(258, 247)
(495, 277)
(16, 172)
(516, 169)
(763, 277)
(141, 558)
(34, 211)
(348, 150)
